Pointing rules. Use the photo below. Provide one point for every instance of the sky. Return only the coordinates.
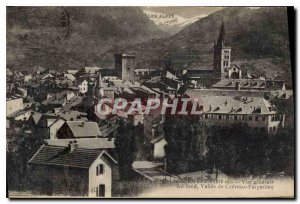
(185, 11)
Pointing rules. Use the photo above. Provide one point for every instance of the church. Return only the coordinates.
(227, 75)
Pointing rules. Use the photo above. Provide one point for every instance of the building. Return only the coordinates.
(79, 129)
(70, 77)
(257, 112)
(82, 84)
(124, 66)
(13, 105)
(89, 172)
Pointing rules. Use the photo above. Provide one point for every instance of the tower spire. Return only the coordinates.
(99, 85)
(221, 39)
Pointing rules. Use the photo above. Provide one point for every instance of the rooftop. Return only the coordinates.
(62, 156)
(86, 143)
(84, 129)
(235, 105)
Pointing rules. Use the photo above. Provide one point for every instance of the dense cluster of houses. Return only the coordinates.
(59, 107)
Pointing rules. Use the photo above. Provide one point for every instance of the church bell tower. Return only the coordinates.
(222, 55)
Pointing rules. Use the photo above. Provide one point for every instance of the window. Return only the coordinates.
(227, 117)
(99, 169)
(263, 118)
(235, 117)
(250, 117)
(226, 57)
(256, 118)
(226, 51)
(220, 117)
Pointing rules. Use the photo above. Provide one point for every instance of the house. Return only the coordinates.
(28, 78)
(82, 84)
(48, 124)
(72, 71)
(79, 129)
(89, 172)
(19, 117)
(14, 104)
(91, 70)
(70, 77)
(39, 70)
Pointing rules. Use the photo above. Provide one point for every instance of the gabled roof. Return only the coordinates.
(82, 79)
(84, 129)
(92, 70)
(169, 75)
(70, 77)
(62, 156)
(157, 139)
(36, 116)
(9, 72)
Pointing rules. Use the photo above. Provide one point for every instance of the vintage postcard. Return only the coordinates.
(150, 102)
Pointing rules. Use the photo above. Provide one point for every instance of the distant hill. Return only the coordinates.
(71, 37)
(258, 37)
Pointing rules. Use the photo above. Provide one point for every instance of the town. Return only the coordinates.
(60, 143)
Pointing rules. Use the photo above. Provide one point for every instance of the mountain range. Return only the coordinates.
(73, 37)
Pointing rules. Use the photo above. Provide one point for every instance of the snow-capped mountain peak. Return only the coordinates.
(171, 23)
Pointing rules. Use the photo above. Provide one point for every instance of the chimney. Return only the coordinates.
(72, 146)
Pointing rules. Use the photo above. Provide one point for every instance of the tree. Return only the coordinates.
(186, 137)
(125, 146)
